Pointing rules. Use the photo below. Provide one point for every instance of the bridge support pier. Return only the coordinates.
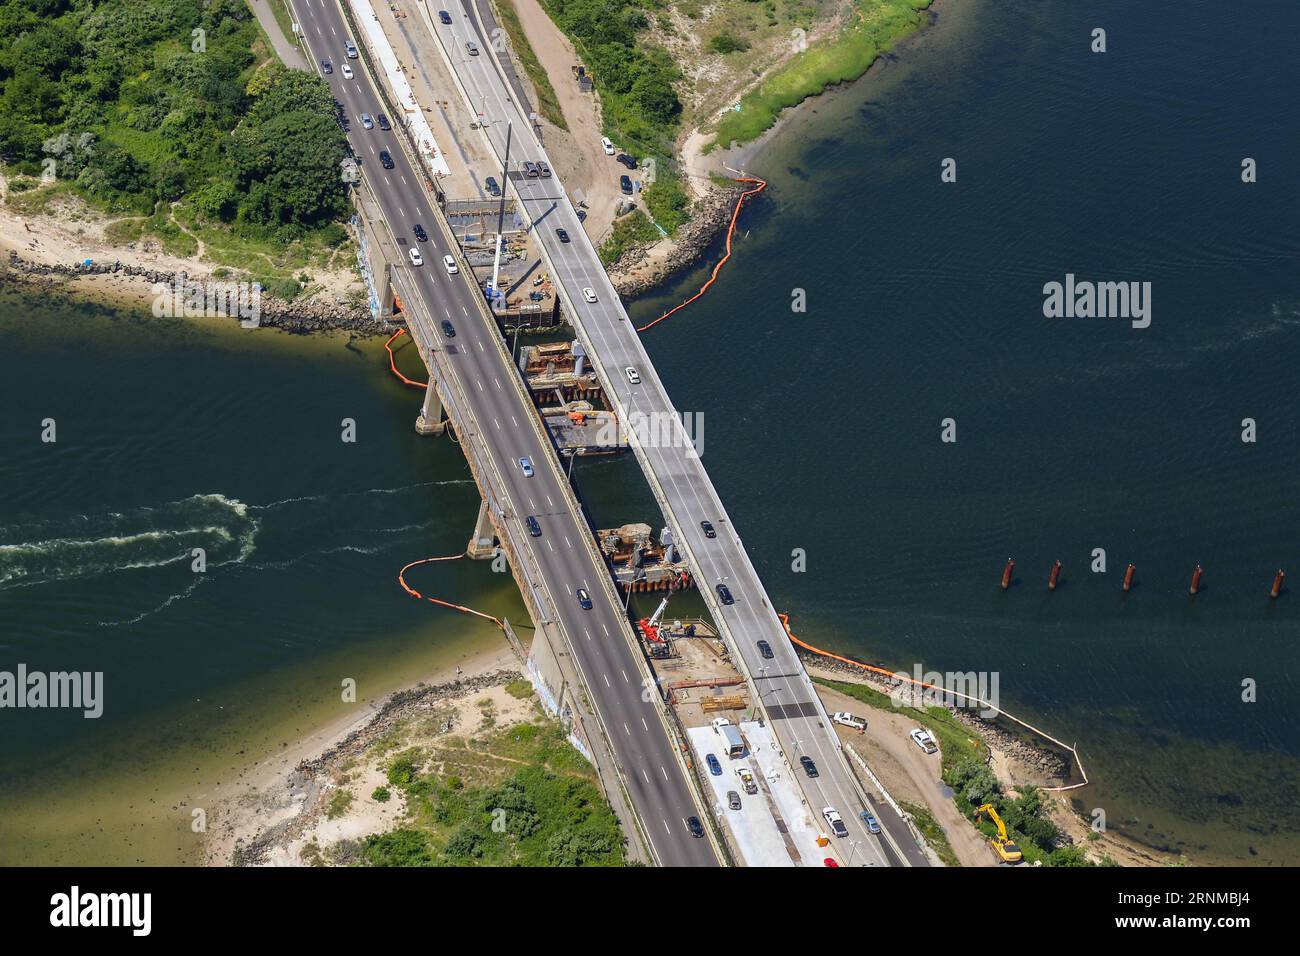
(482, 543)
(429, 421)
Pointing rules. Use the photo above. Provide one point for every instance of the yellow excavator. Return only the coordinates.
(1007, 851)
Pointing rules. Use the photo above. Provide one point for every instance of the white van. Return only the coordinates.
(416, 258)
(607, 146)
(449, 264)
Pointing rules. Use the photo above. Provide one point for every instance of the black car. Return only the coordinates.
(543, 168)
(444, 16)
(765, 649)
(385, 160)
(625, 184)
(492, 187)
(626, 160)
(530, 169)
(582, 215)
(326, 67)
(695, 826)
(534, 528)
(562, 235)
(809, 767)
(725, 593)
(584, 599)
(707, 527)
(448, 329)
(382, 120)
(420, 233)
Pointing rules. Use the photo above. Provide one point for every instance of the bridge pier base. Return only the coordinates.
(429, 421)
(482, 543)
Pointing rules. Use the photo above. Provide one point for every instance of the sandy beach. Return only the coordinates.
(283, 798)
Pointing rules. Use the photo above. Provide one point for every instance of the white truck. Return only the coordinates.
(925, 740)
(848, 720)
(732, 742)
(747, 780)
(835, 822)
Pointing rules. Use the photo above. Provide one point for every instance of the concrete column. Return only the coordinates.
(481, 542)
(429, 421)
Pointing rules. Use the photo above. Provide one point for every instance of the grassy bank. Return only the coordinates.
(514, 796)
(548, 104)
(964, 768)
(175, 113)
(633, 229)
(845, 57)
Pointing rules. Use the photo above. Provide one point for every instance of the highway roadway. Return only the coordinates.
(674, 469)
(600, 637)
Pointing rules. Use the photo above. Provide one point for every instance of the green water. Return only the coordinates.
(175, 435)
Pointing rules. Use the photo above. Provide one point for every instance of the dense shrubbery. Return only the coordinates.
(141, 101)
(536, 817)
(635, 81)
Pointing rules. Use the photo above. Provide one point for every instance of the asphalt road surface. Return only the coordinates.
(799, 720)
(654, 778)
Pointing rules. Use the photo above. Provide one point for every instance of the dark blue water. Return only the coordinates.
(175, 435)
(925, 303)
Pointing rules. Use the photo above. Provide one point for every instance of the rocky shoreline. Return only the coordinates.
(296, 317)
(1052, 767)
(711, 216)
(311, 779)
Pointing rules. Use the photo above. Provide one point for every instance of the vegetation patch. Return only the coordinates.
(173, 110)
(964, 768)
(935, 837)
(875, 27)
(531, 800)
(548, 103)
(632, 230)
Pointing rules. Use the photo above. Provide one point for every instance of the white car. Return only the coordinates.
(366, 121)
(834, 821)
(351, 49)
(449, 264)
(416, 258)
(347, 72)
(848, 720)
(472, 47)
(633, 375)
(607, 146)
(925, 740)
(526, 466)
(589, 294)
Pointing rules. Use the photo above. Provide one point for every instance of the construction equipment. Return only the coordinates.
(1007, 851)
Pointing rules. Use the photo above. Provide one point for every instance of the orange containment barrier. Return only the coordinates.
(731, 231)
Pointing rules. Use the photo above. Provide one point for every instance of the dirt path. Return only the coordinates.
(909, 775)
(578, 157)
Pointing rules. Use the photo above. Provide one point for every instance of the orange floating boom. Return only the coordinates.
(1006, 573)
(1054, 576)
(1277, 583)
(1128, 576)
(1196, 581)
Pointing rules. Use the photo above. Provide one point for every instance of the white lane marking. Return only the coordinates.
(497, 422)
(404, 179)
(606, 629)
(607, 683)
(627, 732)
(567, 542)
(516, 421)
(645, 725)
(498, 381)
(587, 632)
(625, 680)
(549, 545)
(479, 383)
(480, 346)
(670, 832)
(549, 501)
(663, 771)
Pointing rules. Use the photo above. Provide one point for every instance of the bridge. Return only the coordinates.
(485, 397)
